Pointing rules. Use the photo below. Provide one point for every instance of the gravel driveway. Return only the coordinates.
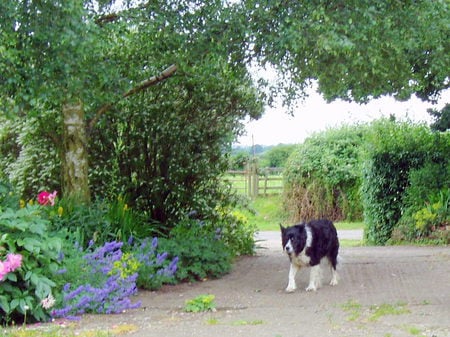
(383, 291)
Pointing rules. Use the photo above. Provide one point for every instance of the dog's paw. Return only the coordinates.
(290, 289)
(334, 282)
(311, 287)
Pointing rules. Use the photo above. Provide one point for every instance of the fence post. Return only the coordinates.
(252, 176)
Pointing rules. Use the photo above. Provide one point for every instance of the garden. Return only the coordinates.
(118, 118)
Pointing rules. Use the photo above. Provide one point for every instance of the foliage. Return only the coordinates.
(322, 176)
(234, 229)
(425, 222)
(101, 221)
(154, 269)
(29, 152)
(355, 50)
(238, 159)
(201, 253)
(105, 285)
(395, 148)
(276, 156)
(110, 275)
(24, 292)
(200, 303)
(441, 119)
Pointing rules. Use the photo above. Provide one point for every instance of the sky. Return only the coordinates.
(276, 126)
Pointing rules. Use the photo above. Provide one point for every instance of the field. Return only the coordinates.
(268, 214)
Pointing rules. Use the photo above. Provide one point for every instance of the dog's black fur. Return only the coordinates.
(324, 243)
(307, 244)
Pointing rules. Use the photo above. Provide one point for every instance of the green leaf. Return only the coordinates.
(4, 304)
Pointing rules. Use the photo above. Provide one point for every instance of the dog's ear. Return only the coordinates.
(282, 228)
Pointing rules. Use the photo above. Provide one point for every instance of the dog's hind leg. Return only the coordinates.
(334, 277)
(334, 274)
(292, 272)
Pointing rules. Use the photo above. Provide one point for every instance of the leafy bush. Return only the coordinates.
(25, 292)
(201, 254)
(234, 229)
(395, 150)
(323, 175)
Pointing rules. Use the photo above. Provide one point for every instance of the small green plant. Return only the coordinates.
(244, 322)
(353, 308)
(379, 311)
(201, 303)
(415, 331)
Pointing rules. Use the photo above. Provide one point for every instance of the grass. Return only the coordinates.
(55, 331)
(66, 330)
(374, 312)
(379, 311)
(269, 214)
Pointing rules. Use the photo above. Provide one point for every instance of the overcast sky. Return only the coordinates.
(277, 127)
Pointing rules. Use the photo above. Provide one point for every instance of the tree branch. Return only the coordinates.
(106, 19)
(166, 73)
(152, 81)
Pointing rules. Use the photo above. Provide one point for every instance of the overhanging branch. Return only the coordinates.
(152, 81)
(166, 73)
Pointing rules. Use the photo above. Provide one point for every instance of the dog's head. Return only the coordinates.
(293, 239)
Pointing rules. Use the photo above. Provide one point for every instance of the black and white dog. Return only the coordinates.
(306, 245)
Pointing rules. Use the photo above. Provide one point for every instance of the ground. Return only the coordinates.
(383, 291)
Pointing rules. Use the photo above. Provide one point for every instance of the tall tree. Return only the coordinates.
(56, 55)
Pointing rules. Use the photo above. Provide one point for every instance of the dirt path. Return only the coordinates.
(383, 291)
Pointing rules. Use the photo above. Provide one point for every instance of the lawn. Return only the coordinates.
(269, 214)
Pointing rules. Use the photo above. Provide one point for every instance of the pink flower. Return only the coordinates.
(45, 198)
(14, 261)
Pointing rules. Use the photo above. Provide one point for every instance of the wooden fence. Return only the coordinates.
(253, 181)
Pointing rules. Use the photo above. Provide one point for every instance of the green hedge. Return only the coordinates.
(394, 151)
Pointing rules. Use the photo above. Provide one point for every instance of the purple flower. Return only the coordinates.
(161, 257)
(155, 242)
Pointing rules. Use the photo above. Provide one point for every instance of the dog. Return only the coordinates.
(307, 244)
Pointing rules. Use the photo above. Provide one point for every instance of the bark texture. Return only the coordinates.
(75, 159)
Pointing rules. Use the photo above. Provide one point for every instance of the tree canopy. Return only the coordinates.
(76, 75)
(355, 50)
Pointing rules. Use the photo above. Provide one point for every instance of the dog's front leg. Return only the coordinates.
(314, 278)
(292, 272)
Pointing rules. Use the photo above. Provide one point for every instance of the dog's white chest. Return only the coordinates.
(301, 259)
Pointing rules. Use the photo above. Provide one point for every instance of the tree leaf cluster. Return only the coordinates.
(355, 50)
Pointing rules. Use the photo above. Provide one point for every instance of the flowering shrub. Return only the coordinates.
(100, 287)
(154, 268)
(25, 242)
(109, 278)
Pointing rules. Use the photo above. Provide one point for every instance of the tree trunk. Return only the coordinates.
(75, 182)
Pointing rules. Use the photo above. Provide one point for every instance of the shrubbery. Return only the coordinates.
(401, 174)
(75, 260)
(323, 176)
(397, 172)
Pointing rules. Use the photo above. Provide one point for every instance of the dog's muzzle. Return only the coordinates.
(289, 248)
